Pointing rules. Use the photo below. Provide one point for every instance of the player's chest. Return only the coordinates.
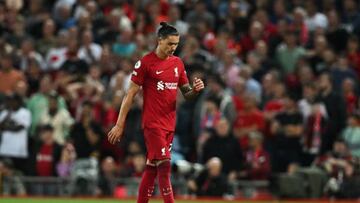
(164, 72)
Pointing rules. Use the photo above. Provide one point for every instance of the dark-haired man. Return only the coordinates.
(159, 73)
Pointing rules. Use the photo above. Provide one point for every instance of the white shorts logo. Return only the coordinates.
(163, 153)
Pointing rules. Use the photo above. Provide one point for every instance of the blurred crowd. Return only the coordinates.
(282, 87)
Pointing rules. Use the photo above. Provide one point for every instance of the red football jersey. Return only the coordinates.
(159, 79)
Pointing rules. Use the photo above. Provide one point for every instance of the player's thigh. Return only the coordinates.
(158, 143)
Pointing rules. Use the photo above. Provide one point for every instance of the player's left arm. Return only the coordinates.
(191, 92)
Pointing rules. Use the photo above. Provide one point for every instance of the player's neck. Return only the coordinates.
(160, 54)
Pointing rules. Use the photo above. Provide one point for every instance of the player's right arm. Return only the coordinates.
(116, 132)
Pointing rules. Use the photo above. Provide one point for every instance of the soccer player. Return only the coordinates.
(159, 73)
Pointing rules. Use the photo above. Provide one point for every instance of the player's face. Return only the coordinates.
(169, 44)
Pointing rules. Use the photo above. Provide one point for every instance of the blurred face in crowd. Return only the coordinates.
(174, 13)
(290, 104)
(290, 39)
(64, 12)
(305, 74)
(108, 165)
(169, 44)
(279, 7)
(309, 93)
(211, 107)
(87, 37)
(353, 121)
(214, 166)
(91, 7)
(267, 82)
(6, 63)
(329, 56)
(47, 137)
(261, 48)
(353, 45)
(139, 162)
(48, 28)
(21, 88)
(45, 84)
(340, 148)
(239, 86)
(222, 128)
(324, 82)
(348, 86)
(349, 5)
(53, 105)
(256, 30)
(333, 18)
(320, 43)
(299, 15)
(35, 6)
(26, 47)
(279, 91)
(249, 102)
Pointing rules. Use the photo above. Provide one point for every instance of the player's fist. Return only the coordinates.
(198, 84)
(115, 134)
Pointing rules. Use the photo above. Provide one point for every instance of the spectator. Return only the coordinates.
(335, 108)
(48, 39)
(351, 134)
(15, 121)
(349, 94)
(107, 179)
(250, 119)
(46, 155)
(86, 134)
(89, 51)
(257, 160)
(59, 119)
(353, 54)
(10, 180)
(200, 14)
(210, 182)
(38, 104)
(289, 53)
(314, 18)
(66, 162)
(175, 20)
(337, 35)
(288, 129)
(124, 47)
(223, 145)
(28, 52)
(8, 75)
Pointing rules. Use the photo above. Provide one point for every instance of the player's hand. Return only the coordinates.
(115, 134)
(198, 85)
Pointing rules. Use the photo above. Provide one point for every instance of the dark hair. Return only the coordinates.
(166, 30)
(46, 128)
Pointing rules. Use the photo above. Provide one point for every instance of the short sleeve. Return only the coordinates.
(183, 77)
(138, 73)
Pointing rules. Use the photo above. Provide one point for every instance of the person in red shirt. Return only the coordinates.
(257, 160)
(248, 120)
(47, 152)
(159, 73)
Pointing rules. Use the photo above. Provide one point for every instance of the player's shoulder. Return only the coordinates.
(178, 60)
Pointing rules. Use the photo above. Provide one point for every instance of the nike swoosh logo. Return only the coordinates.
(159, 72)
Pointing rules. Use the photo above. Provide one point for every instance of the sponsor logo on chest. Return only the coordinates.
(164, 75)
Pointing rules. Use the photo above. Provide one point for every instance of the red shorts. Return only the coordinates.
(158, 143)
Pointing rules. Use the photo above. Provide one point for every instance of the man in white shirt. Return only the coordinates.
(15, 121)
